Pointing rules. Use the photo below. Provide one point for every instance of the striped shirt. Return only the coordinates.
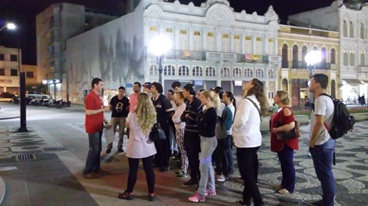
(192, 110)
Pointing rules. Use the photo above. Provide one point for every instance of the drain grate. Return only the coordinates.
(25, 157)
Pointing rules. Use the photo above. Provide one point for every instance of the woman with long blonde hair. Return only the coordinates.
(140, 146)
(283, 121)
(206, 126)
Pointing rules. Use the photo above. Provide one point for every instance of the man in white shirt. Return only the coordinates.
(321, 145)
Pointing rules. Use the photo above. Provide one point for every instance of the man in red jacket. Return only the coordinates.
(94, 126)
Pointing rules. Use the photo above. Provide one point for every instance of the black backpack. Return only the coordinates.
(342, 121)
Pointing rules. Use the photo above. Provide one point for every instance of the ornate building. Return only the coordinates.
(211, 45)
(294, 44)
(351, 22)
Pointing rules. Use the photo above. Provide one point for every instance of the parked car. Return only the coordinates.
(6, 95)
(37, 95)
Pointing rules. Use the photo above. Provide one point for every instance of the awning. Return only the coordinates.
(353, 82)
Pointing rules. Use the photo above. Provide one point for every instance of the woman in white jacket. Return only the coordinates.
(248, 138)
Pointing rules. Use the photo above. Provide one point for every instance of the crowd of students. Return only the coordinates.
(204, 126)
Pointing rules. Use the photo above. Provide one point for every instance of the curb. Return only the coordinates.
(2, 190)
(5, 118)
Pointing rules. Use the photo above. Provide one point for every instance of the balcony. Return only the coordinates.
(186, 55)
(303, 65)
(363, 69)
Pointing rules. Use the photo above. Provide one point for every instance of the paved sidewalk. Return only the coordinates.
(54, 177)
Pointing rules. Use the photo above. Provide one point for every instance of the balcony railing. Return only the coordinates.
(363, 69)
(215, 56)
(303, 65)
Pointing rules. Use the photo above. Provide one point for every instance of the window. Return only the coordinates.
(271, 47)
(345, 29)
(197, 71)
(29, 74)
(225, 72)
(248, 45)
(236, 37)
(153, 28)
(210, 72)
(14, 72)
(2, 57)
(169, 30)
(346, 58)
(183, 31)
(153, 70)
(237, 72)
(362, 58)
(351, 29)
(225, 43)
(333, 56)
(259, 73)
(304, 53)
(362, 31)
(285, 63)
(169, 70)
(248, 73)
(295, 56)
(210, 42)
(324, 57)
(259, 46)
(183, 71)
(2, 72)
(270, 74)
(197, 33)
(13, 58)
(352, 58)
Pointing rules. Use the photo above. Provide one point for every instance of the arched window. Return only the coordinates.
(225, 72)
(270, 73)
(237, 72)
(324, 57)
(333, 89)
(248, 73)
(352, 58)
(285, 86)
(333, 56)
(304, 53)
(295, 56)
(362, 58)
(351, 29)
(183, 71)
(259, 73)
(153, 70)
(346, 58)
(285, 63)
(169, 70)
(345, 29)
(362, 31)
(197, 71)
(210, 72)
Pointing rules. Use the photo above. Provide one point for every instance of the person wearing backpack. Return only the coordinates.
(321, 145)
(283, 121)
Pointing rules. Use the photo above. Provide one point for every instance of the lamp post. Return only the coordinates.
(312, 59)
(159, 45)
(22, 84)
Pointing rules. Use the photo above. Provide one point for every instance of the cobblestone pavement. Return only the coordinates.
(60, 148)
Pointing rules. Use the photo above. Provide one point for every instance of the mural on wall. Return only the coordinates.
(117, 61)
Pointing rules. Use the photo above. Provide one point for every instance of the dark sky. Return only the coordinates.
(23, 13)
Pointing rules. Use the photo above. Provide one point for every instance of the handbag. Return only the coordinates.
(157, 133)
(292, 134)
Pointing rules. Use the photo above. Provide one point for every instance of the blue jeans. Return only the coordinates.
(94, 153)
(208, 146)
(322, 156)
(286, 157)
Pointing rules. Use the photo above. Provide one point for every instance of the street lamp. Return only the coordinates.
(22, 84)
(312, 59)
(9, 26)
(159, 45)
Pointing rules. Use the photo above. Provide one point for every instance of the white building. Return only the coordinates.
(54, 26)
(9, 69)
(212, 45)
(351, 21)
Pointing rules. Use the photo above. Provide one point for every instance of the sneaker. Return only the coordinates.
(151, 197)
(190, 182)
(277, 187)
(108, 151)
(197, 198)
(120, 150)
(316, 203)
(283, 191)
(177, 172)
(210, 192)
(182, 174)
(222, 178)
(126, 196)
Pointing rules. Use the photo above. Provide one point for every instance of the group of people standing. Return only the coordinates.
(206, 125)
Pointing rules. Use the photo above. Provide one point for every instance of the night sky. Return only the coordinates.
(23, 13)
